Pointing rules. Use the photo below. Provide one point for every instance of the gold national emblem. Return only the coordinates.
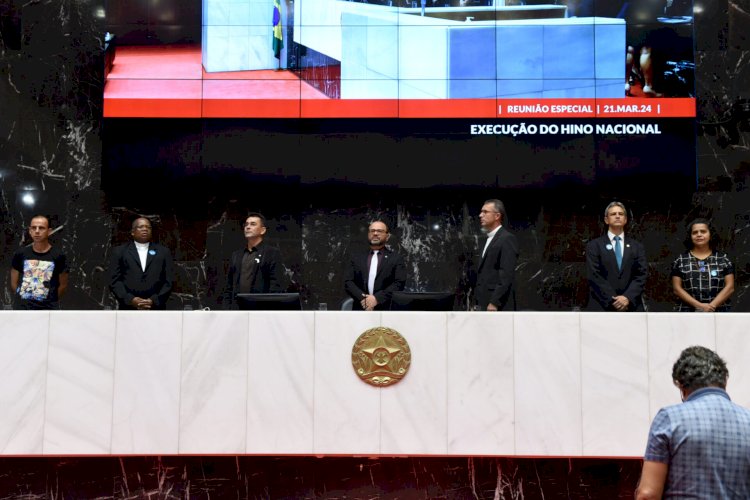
(381, 356)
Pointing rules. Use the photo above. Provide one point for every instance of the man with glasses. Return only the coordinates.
(373, 275)
(494, 279)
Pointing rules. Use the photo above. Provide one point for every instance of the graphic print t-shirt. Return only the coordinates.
(39, 275)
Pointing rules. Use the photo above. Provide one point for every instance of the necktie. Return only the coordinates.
(373, 272)
(618, 253)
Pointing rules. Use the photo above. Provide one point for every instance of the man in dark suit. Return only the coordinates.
(616, 267)
(494, 280)
(373, 275)
(257, 268)
(140, 272)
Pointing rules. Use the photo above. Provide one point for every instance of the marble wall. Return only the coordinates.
(281, 383)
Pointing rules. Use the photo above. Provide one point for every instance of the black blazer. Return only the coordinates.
(391, 277)
(606, 281)
(127, 280)
(495, 276)
(267, 276)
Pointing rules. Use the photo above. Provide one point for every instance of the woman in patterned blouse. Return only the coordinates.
(702, 278)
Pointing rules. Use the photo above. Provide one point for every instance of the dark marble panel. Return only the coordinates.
(711, 24)
(739, 24)
(722, 90)
(10, 25)
(318, 478)
(51, 149)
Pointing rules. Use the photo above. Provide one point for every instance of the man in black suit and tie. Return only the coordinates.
(616, 267)
(494, 281)
(257, 268)
(140, 272)
(373, 275)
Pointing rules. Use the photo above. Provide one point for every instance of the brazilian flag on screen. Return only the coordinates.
(278, 39)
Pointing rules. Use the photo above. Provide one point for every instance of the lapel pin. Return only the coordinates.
(609, 247)
(152, 252)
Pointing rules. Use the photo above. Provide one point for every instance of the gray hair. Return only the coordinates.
(615, 204)
(500, 208)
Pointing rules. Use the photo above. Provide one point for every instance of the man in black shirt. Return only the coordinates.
(257, 268)
(39, 273)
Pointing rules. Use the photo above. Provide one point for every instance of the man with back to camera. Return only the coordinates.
(39, 272)
(616, 267)
(374, 274)
(494, 288)
(141, 272)
(700, 448)
(257, 268)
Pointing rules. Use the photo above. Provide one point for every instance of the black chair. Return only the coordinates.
(423, 301)
(269, 302)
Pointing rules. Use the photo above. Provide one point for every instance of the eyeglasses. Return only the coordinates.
(482, 212)
(378, 231)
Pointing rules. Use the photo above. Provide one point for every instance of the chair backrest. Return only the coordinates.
(346, 304)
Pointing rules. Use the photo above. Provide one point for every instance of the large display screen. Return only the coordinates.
(417, 59)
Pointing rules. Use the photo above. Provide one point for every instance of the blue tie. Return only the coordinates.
(618, 253)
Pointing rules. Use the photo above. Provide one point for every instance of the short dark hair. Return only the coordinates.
(135, 222)
(713, 240)
(255, 214)
(41, 216)
(699, 367)
(500, 207)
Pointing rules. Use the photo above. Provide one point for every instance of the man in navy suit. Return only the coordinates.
(373, 275)
(494, 281)
(616, 266)
(141, 273)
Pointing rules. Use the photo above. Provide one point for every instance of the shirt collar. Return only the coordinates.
(256, 248)
(612, 235)
(141, 246)
(707, 391)
(494, 231)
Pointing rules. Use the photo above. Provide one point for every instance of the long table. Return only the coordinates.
(282, 383)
